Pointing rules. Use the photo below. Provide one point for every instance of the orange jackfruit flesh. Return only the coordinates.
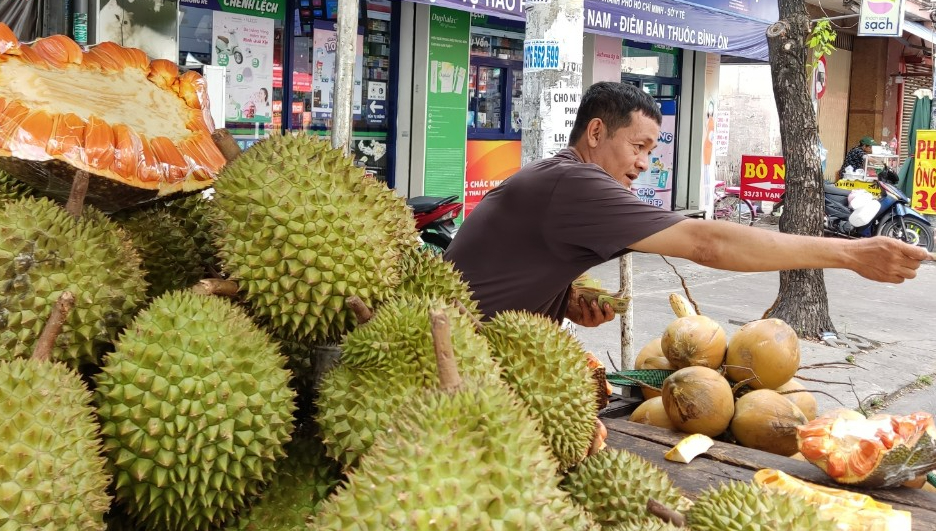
(139, 128)
(881, 451)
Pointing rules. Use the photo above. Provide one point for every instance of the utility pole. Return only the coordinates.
(344, 75)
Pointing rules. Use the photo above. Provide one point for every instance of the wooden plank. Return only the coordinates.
(725, 462)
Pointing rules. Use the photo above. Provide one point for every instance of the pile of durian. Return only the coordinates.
(309, 397)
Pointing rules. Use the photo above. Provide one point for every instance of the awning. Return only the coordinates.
(921, 31)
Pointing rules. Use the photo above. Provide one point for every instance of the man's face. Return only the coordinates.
(866, 148)
(626, 153)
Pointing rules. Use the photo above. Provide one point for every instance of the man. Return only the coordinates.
(856, 155)
(528, 239)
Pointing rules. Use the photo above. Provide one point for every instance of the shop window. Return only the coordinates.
(495, 79)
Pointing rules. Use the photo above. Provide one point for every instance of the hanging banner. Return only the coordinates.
(324, 69)
(924, 173)
(275, 9)
(489, 163)
(655, 186)
(881, 18)
(243, 44)
(510, 9)
(149, 26)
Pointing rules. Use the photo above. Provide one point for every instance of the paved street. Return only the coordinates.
(897, 375)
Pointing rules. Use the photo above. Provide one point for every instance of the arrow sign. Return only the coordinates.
(374, 107)
(763, 178)
(768, 186)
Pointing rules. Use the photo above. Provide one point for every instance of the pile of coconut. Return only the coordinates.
(739, 389)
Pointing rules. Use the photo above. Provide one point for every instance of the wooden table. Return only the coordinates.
(724, 462)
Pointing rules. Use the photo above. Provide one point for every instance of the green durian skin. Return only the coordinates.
(426, 274)
(303, 480)
(195, 410)
(645, 524)
(737, 506)
(614, 486)
(52, 473)
(12, 189)
(549, 371)
(44, 252)
(384, 363)
(466, 460)
(300, 229)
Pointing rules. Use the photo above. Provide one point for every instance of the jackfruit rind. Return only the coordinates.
(548, 368)
(302, 481)
(468, 460)
(44, 252)
(384, 363)
(737, 506)
(52, 473)
(300, 229)
(195, 410)
(614, 486)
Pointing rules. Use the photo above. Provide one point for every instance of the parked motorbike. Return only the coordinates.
(894, 219)
(435, 219)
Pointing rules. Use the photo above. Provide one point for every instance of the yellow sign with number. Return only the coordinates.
(924, 173)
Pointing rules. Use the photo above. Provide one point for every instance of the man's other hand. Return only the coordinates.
(584, 313)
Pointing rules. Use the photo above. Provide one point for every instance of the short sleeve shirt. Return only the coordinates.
(529, 238)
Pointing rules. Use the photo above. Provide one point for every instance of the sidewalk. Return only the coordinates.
(894, 372)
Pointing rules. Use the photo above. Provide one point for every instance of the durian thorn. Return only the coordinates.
(361, 311)
(216, 286)
(449, 379)
(464, 311)
(226, 143)
(76, 197)
(53, 327)
(665, 513)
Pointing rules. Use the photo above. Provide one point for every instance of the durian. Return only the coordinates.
(646, 524)
(300, 229)
(195, 410)
(737, 506)
(548, 368)
(44, 252)
(384, 363)
(12, 188)
(426, 274)
(614, 486)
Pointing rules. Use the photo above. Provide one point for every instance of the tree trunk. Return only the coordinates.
(802, 301)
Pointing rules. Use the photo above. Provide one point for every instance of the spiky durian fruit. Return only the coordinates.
(646, 524)
(469, 459)
(301, 229)
(548, 368)
(194, 409)
(384, 363)
(52, 472)
(12, 188)
(614, 487)
(427, 274)
(302, 481)
(737, 506)
(44, 252)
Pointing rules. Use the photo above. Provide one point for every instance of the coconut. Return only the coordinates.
(654, 363)
(698, 400)
(768, 349)
(802, 398)
(765, 420)
(650, 350)
(651, 412)
(694, 340)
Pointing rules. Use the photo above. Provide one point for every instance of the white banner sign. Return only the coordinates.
(881, 18)
(244, 45)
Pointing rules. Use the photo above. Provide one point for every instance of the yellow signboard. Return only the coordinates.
(852, 184)
(924, 173)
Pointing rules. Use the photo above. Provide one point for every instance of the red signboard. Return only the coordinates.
(762, 178)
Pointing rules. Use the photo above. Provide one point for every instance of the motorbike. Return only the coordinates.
(435, 219)
(894, 219)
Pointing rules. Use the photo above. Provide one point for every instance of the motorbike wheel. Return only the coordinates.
(238, 57)
(916, 233)
(435, 242)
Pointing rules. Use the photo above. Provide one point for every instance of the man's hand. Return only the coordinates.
(583, 313)
(886, 259)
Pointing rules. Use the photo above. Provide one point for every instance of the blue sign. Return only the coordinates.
(539, 54)
(375, 112)
(673, 23)
(763, 10)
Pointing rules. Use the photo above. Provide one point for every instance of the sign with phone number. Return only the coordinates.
(924, 173)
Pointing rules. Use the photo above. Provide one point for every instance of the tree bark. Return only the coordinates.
(802, 300)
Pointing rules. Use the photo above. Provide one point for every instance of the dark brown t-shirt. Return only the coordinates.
(529, 238)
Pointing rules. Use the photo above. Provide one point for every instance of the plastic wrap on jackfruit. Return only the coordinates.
(140, 128)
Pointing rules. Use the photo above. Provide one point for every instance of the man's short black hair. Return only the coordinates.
(613, 103)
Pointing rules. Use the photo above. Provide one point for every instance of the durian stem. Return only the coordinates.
(665, 513)
(76, 197)
(226, 143)
(449, 379)
(53, 327)
(361, 311)
(464, 311)
(216, 286)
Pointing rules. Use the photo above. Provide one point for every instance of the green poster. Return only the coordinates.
(258, 8)
(447, 101)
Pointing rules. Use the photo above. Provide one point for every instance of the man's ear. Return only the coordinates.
(594, 132)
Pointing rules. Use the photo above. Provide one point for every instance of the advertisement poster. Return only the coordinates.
(325, 68)
(244, 45)
(762, 178)
(489, 162)
(722, 125)
(655, 186)
(275, 9)
(150, 26)
(924, 173)
(371, 153)
(447, 101)
(881, 18)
